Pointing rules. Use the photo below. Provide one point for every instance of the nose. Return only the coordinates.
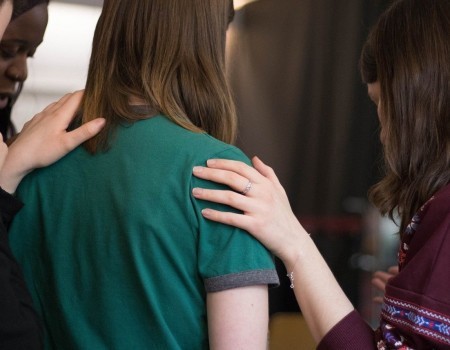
(17, 70)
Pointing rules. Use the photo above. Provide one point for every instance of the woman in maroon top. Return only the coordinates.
(406, 65)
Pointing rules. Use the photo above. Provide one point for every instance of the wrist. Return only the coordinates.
(296, 256)
(296, 246)
(11, 175)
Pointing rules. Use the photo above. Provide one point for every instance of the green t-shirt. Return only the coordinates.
(115, 250)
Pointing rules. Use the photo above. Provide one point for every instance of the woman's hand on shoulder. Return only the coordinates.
(44, 139)
(258, 194)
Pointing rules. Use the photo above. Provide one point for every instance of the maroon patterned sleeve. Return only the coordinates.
(416, 309)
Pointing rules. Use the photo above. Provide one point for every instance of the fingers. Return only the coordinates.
(229, 198)
(393, 270)
(52, 107)
(261, 173)
(237, 167)
(382, 275)
(231, 179)
(63, 111)
(67, 106)
(83, 133)
(233, 219)
(378, 300)
(380, 278)
(379, 284)
(70, 102)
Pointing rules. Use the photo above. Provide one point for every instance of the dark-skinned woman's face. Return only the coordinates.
(20, 41)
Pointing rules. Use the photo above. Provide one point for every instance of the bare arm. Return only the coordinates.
(267, 216)
(238, 318)
(45, 139)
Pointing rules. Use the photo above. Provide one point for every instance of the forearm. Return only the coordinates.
(321, 299)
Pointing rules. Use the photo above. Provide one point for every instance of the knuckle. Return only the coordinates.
(231, 198)
(235, 177)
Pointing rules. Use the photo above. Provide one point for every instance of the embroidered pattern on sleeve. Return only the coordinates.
(409, 233)
(422, 321)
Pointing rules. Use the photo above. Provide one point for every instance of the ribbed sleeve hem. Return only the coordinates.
(351, 333)
(242, 279)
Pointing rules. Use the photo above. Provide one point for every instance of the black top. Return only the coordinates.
(20, 328)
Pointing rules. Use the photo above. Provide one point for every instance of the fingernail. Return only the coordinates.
(196, 191)
(100, 121)
(206, 212)
(197, 169)
(211, 161)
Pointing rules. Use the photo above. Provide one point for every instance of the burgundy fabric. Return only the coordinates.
(417, 300)
(351, 333)
(416, 309)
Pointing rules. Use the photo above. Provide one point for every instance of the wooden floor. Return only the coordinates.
(289, 331)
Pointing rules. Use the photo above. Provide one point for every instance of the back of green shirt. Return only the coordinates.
(115, 250)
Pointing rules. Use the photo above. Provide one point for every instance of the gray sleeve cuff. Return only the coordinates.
(242, 279)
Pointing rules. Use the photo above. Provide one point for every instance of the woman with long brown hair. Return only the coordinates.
(117, 253)
(406, 65)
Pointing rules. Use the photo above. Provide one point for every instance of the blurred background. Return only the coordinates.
(293, 67)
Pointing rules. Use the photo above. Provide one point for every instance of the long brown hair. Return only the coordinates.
(169, 54)
(408, 53)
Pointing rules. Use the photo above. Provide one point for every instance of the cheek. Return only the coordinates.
(3, 68)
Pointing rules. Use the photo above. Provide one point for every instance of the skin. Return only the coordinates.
(238, 318)
(373, 90)
(267, 215)
(44, 139)
(379, 280)
(19, 43)
(5, 15)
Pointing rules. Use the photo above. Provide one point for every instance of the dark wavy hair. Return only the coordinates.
(408, 53)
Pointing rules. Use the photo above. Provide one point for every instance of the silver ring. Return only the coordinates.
(247, 188)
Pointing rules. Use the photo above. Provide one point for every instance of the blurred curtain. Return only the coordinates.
(293, 67)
